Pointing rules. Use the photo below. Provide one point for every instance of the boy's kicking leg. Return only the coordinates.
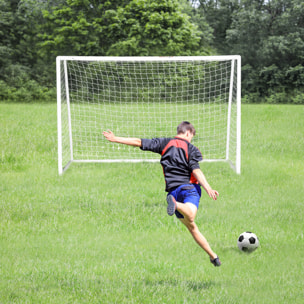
(188, 210)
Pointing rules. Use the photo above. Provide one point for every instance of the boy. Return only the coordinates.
(183, 177)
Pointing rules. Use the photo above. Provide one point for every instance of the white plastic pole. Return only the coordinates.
(229, 110)
(59, 127)
(69, 108)
(238, 123)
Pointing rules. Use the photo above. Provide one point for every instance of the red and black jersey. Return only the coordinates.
(178, 159)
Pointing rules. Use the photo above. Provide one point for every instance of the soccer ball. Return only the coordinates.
(248, 242)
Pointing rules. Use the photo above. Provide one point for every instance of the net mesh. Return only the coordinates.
(146, 99)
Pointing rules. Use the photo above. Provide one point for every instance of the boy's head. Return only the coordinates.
(185, 126)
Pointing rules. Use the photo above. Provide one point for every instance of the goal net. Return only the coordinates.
(147, 97)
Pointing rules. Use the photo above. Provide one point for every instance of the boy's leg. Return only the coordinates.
(189, 211)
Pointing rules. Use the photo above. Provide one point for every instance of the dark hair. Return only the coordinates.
(185, 126)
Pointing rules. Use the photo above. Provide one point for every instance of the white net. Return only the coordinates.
(146, 99)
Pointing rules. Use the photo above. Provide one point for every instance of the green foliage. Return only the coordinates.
(154, 28)
(293, 97)
(138, 28)
(270, 38)
(19, 60)
(200, 20)
(30, 91)
(219, 14)
(70, 30)
(269, 35)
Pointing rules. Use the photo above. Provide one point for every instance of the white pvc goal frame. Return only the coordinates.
(90, 106)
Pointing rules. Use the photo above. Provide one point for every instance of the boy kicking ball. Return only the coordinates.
(183, 177)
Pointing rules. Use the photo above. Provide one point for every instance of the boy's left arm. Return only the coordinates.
(109, 135)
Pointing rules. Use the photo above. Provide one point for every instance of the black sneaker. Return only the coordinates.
(216, 262)
(171, 205)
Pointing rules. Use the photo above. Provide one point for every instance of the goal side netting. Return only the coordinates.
(147, 97)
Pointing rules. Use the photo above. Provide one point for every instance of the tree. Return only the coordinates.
(136, 27)
(269, 32)
(218, 15)
(157, 27)
(18, 40)
(73, 27)
(20, 70)
(12, 68)
(270, 37)
(206, 36)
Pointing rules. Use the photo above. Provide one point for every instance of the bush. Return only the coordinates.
(294, 97)
(298, 99)
(31, 91)
(5, 91)
(278, 97)
(252, 98)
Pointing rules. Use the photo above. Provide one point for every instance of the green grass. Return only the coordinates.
(100, 232)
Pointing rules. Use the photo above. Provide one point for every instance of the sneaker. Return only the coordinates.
(171, 205)
(216, 262)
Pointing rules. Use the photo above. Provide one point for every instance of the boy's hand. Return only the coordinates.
(109, 135)
(213, 194)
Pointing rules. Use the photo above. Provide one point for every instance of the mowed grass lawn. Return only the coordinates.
(100, 232)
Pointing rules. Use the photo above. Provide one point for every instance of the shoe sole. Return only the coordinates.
(171, 205)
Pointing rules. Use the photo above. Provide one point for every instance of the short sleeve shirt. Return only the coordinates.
(178, 159)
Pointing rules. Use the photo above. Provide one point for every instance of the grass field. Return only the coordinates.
(100, 232)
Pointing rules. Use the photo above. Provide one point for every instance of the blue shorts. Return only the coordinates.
(188, 193)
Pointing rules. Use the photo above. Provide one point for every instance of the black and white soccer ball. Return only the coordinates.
(248, 241)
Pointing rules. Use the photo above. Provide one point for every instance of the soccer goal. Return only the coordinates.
(147, 97)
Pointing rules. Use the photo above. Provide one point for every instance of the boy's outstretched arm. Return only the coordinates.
(199, 175)
(109, 135)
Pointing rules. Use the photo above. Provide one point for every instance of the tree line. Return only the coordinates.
(269, 35)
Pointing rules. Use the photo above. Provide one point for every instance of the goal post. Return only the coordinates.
(147, 97)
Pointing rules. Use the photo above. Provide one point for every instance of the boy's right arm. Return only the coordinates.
(199, 175)
(109, 135)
